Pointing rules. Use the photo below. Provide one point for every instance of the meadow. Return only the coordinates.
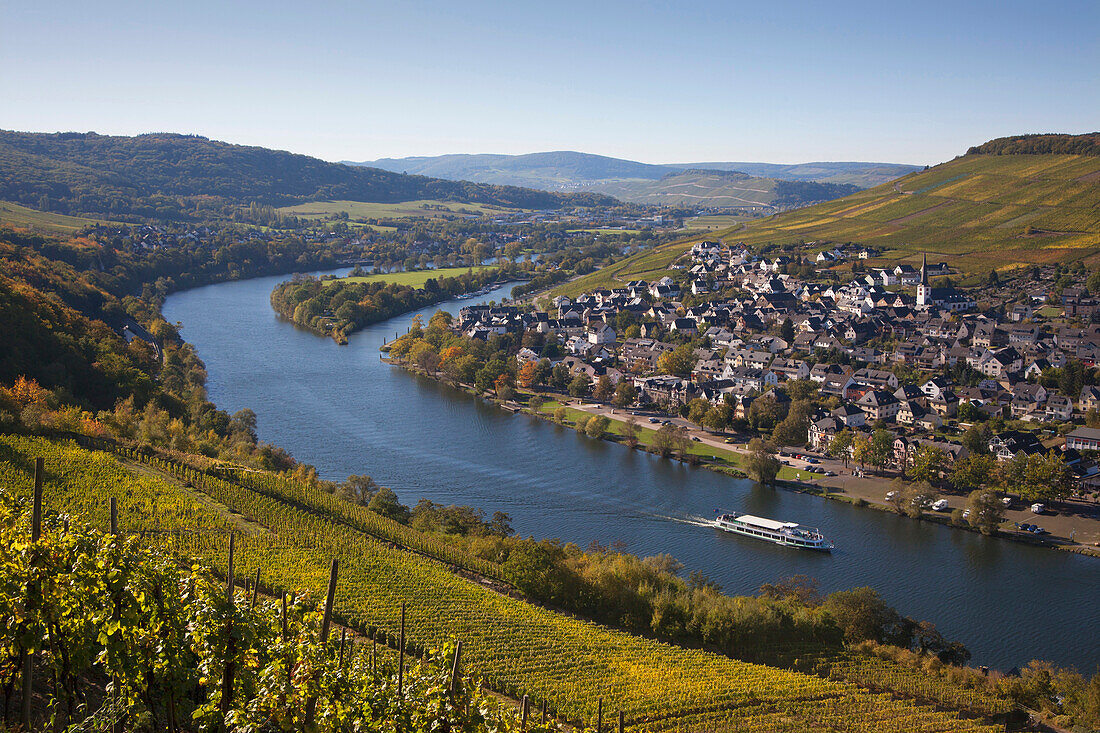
(415, 279)
(18, 216)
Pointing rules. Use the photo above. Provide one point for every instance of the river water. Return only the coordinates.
(343, 410)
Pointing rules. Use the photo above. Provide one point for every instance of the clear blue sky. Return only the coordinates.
(655, 81)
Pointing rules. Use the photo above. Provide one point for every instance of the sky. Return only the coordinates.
(660, 82)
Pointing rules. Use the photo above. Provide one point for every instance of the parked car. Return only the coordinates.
(828, 473)
(1007, 501)
(1038, 508)
(811, 460)
(695, 438)
(891, 495)
(940, 505)
(731, 440)
(654, 420)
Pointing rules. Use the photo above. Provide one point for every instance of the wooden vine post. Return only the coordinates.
(599, 716)
(621, 722)
(230, 647)
(524, 708)
(36, 534)
(454, 667)
(401, 656)
(326, 622)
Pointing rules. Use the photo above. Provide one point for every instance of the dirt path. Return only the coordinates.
(243, 524)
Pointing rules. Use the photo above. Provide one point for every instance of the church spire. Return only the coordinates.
(924, 269)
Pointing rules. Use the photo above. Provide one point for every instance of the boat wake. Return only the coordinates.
(694, 521)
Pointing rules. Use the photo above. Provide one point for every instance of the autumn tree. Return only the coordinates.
(680, 361)
(597, 426)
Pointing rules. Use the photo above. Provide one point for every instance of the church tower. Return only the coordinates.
(924, 294)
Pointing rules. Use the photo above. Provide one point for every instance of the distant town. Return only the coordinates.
(895, 351)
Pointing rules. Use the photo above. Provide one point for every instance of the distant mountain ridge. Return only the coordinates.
(571, 170)
(172, 176)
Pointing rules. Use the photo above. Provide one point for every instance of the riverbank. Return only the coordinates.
(338, 308)
(1076, 528)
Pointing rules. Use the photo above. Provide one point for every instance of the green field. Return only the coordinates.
(977, 212)
(652, 264)
(21, 216)
(415, 279)
(360, 210)
(713, 222)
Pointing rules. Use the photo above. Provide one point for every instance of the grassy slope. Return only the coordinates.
(526, 648)
(651, 264)
(22, 216)
(973, 211)
(415, 279)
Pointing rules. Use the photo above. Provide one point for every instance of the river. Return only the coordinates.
(343, 410)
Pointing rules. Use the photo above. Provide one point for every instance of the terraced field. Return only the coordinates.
(981, 211)
(517, 647)
(984, 210)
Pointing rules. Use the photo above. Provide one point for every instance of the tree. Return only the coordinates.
(1046, 477)
(680, 361)
(786, 331)
(918, 498)
(527, 377)
(795, 426)
(697, 410)
(992, 280)
(976, 439)
(861, 450)
(631, 431)
(972, 472)
(358, 489)
(580, 385)
(604, 389)
(535, 403)
(718, 416)
(839, 446)
(625, 394)
(861, 613)
(662, 440)
(597, 426)
(559, 377)
(986, 511)
(882, 448)
(929, 465)
(560, 415)
(801, 389)
(761, 464)
(385, 503)
(504, 388)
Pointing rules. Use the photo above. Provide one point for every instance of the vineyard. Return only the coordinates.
(182, 650)
(577, 668)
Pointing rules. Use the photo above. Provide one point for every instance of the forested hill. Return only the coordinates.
(170, 176)
(1045, 144)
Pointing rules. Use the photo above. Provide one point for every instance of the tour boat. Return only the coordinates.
(781, 533)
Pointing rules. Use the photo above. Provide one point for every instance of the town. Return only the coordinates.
(895, 368)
